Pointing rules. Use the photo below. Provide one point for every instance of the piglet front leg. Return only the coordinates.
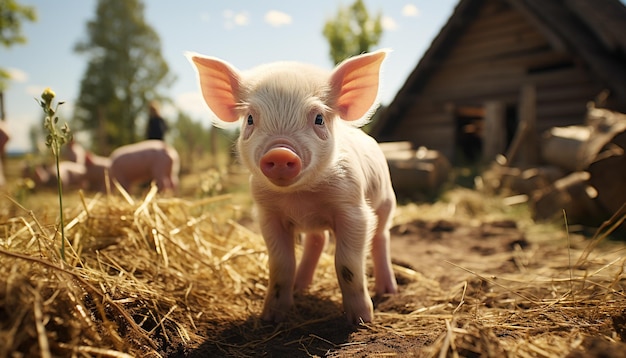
(282, 267)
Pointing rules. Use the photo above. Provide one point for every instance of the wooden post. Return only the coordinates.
(524, 147)
(494, 133)
(529, 149)
(450, 150)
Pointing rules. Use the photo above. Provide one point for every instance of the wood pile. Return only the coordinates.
(583, 171)
(415, 172)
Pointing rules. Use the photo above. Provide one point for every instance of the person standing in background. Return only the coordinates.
(156, 124)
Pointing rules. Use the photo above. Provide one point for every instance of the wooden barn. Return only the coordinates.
(498, 62)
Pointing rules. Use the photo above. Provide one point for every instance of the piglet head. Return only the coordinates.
(291, 114)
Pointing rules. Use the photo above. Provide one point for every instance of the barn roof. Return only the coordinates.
(590, 30)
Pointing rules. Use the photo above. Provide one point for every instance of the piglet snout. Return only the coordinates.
(280, 165)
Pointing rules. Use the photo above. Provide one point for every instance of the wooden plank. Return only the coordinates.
(494, 138)
(489, 19)
(491, 86)
(545, 123)
(476, 90)
(531, 59)
(392, 147)
(564, 147)
(503, 67)
(505, 24)
(609, 175)
(514, 30)
(430, 135)
(572, 108)
(499, 47)
(433, 119)
(474, 72)
(580, 92)
(539, 23)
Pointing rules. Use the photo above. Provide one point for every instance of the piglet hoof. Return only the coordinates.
(385, 288)
(275, 310)
(359, 312)
(274, 315)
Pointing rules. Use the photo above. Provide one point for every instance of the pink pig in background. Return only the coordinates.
(72, 175)
(145, 161)
(4, 138)
(96, 167)
(312, 170)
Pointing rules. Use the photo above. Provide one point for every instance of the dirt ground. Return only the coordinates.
(169, 277)
(453, 271)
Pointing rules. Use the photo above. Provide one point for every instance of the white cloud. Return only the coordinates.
(241, 19)
(17, 75)
(389, 23)
(410, 10)
(277, 18)
(232, 19)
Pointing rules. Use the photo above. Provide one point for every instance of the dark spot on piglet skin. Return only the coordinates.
(346, 274)
(277, 291)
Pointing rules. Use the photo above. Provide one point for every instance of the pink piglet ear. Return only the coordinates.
(354, 85)
(220, 84)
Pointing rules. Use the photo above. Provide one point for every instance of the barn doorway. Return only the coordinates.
(469, 133)
(483, 132)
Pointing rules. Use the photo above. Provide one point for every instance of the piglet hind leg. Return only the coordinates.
(383, 272)
(282, 269)
(314, 243)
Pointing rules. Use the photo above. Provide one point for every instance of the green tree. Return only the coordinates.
(191, 139)
(352, 32)
(125, 72)
(12, 15)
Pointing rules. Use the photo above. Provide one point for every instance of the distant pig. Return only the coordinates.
(312, 170)
(73, 152)
(96, 168)
(4, 138)
(72, 175)
(144, 162)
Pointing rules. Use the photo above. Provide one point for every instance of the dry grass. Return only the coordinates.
(174, 277)
(137, 278)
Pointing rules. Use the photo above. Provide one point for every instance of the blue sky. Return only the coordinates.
(246, 33)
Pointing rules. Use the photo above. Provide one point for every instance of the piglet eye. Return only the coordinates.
(319, 120)
(250, 120)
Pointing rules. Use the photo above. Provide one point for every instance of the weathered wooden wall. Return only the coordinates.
(491, 60)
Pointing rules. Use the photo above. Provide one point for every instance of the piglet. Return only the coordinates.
(144, 162)
(312, 170)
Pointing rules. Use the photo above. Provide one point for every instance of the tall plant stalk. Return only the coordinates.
(54, 140)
